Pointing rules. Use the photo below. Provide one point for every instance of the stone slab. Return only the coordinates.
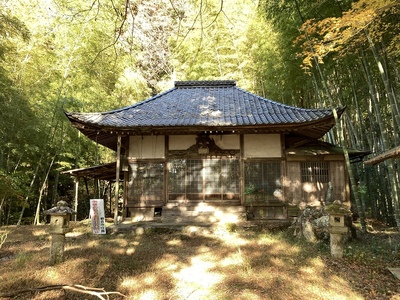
(395, 272)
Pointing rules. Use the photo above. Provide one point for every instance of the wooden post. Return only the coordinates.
(110, 195)
(76, 181)
(117, 168)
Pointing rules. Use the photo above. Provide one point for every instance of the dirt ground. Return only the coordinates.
(225, 262)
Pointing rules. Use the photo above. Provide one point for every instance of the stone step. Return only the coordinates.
(202, 213)
(197, 219)
(187, 213)
(214, 203)
(202, 207)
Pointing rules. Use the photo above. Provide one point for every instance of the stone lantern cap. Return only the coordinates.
(62, 208)
(337, 213)
(338, 208)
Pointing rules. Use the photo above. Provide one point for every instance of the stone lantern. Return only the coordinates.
(337, 226)
(59, 226)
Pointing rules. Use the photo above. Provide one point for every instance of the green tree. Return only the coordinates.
(362, 43)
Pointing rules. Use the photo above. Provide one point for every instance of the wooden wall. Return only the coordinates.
(298, 193)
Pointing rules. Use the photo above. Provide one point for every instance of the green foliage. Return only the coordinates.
(10, 27)
(213, 42)
(346, 34)
(97, 56)
(251, 189)
(22, 258)
(337, 208)
(231, 227)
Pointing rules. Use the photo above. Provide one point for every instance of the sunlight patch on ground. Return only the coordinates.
(197, 279)
(39, 232)
(248, 295)
(95, 243)
(265, 240)
(51, 275)
(203, 249)
(226, 217)
(277, 248)
(70, 247)
(278, 262)
(128, 283)
(148, 295)
(234, 259)
(312, 281)
(323, 293)
(74, 234)
(174, 242)
(121, 242)
(135, 243)
(308, 270)
(130, 251)
(229, 261)
(231, 239)
(167, 262)
(118, 251)
(317, 262)
(150, 279)
(146, 284)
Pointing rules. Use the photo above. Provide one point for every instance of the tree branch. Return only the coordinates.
(97, 292)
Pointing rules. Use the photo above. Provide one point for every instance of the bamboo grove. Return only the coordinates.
(100, 55)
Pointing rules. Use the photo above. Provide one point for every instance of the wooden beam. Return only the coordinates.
(393, 153)
(117, 167)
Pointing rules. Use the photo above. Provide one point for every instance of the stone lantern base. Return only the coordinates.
(336, 240)
(59, 226)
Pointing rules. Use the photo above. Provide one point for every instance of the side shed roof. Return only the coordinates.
(102, 172)
(218, 106)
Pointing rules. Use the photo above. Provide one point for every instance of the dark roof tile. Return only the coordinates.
(201, 104)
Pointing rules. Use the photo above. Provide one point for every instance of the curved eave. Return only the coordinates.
(107, 136)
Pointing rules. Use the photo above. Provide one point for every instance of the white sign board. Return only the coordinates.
(97, 215)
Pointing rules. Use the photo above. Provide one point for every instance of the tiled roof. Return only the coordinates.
(207, 105)
(203, 103)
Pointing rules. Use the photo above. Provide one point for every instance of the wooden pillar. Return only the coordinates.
(110, 195)
(117, 168)
(76, 181)
(241, 172)
(125, 193)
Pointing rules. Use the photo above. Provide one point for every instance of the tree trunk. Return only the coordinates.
(1, 210)
(339, 129)
(37, 214)
(384, 135)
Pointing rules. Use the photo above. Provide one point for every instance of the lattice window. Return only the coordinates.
(194, 176)
(262, 180)
(203, 179)
(146, 179)
(177, 176)
(315, 172)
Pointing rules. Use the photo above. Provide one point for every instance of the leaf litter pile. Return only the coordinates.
(226, 262)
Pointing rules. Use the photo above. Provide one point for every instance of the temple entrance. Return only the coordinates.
(204, 180)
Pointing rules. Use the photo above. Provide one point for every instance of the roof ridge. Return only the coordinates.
(205, 83)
